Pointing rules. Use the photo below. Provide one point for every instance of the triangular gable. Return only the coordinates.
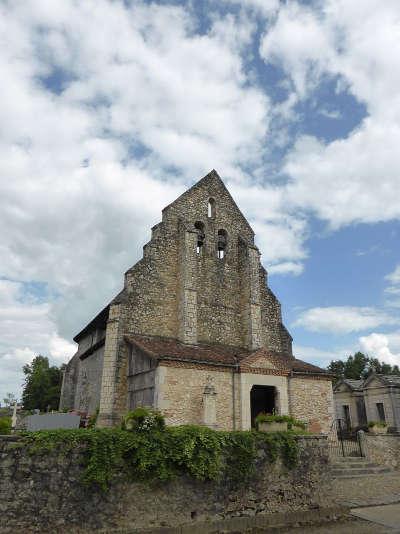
(214, 184)
(374, 380)
(261, 359)
(342, 386)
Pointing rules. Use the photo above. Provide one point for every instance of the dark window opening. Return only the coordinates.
(381, 411)
(361, 412)
(200, 236)
(346, 413)
(221, 243)
(262, 400)
(211, 208)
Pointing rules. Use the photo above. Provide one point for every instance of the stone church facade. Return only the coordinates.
(196, 332)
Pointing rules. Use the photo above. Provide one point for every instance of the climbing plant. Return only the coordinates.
(162, 454)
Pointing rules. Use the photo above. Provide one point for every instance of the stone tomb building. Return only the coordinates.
(196, 332)
(376, 398)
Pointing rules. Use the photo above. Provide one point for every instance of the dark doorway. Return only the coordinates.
(347, 420)
(262, 399)
(361, 412)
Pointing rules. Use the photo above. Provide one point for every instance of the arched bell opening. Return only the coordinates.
(199, 226)
(222, 240)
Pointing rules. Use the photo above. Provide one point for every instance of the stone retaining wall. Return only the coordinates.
(383, 449)
(42, 493)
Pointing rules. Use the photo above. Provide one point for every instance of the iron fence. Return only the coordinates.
(342, 442)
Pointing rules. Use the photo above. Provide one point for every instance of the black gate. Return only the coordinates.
(343, 442)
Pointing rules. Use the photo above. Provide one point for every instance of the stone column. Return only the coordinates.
(210, 405)
(187, 305)
(251, 295)
(107, 416)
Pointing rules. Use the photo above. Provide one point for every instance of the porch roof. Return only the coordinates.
(171, 349)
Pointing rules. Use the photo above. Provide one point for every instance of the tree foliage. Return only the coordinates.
(360, 366)
(42, 385)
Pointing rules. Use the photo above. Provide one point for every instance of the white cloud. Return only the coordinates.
(385, 347)
(343, 319)
(141, 106)
(394, 277)
(330, 114)
(354, 179)
(318, 356)
(27, 328)
(300, 43)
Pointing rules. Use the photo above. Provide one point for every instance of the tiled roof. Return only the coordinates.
(391, 379)
(354, 384)
(167, 348)
(300, 366)
(164, 348)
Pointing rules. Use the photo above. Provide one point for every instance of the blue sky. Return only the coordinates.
(110, 109)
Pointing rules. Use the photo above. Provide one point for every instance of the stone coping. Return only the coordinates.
(370, 435)
(265, 522)
(306, 437)
(311, 436)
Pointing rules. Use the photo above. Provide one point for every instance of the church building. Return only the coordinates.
(196, 332)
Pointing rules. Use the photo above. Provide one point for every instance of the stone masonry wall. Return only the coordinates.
(43, 493)
(180, 395)
(383, 449)
(311, 400)
(173, 282)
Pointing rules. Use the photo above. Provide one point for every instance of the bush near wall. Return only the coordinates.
(161, 455)
(5, 425)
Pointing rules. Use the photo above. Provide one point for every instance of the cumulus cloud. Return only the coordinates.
(354, 179)
(111, 110)
(318, 356)
(385, 347)
(343, 319)
(394, 277)
(27, 329)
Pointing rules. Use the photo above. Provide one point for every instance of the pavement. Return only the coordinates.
(374, 504)
(387, 515)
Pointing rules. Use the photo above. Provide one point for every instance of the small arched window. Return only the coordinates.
(200, 236)
(221, 243)
(211, 208)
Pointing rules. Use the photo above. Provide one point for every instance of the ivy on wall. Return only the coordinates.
(163, 454)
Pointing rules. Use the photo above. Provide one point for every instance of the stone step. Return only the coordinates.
(353, 465)
(348, 473)
(350, 458)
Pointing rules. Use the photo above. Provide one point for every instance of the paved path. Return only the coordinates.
(388, 515)
(367, 491)
(371, 499)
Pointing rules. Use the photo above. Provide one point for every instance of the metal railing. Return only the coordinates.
(342, 442)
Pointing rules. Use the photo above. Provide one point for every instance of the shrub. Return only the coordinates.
(5, 425)
(143, 419)
(380, 424)
(93, 419)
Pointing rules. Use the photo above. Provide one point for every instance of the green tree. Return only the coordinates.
(42, 385)
(359, 366)
(356, 366)
(336, 367)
